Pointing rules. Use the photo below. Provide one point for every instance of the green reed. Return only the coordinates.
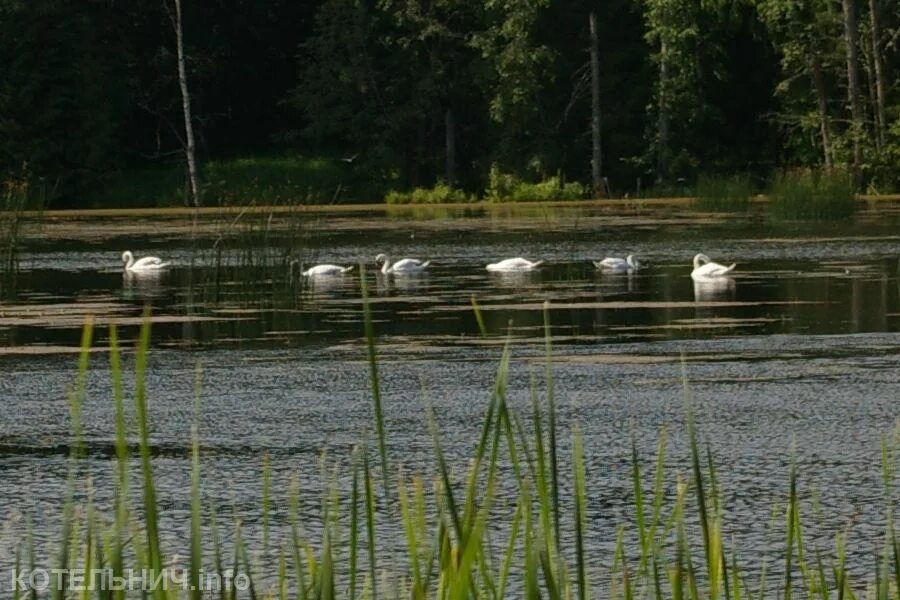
(15, 198)
(813, 195)
(724, 194)
(463, 533)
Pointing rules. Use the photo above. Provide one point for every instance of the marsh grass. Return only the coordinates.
(724, 194)
(242, 180)
(17, 197)
(812, 195)
(460, 538)
(276, 180)
(255, 257)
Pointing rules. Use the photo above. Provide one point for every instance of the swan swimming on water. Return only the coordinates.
(514, 264)
(326, 270)
(705, 269)
(404, 265)
(618, 265)
(142, 265)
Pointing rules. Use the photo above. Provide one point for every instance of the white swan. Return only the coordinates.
(514, 264)
(705, 269)
(146, 264)
(404, 265)
(618, 265)
(320, 270)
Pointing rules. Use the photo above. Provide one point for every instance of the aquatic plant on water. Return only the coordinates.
(461, 539)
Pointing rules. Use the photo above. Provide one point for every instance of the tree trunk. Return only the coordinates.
(596, 148)
(851, 41)
(870, 101)
(822, 103)
(663, 122)
(450, 139)
(880, 124)
(186, 107)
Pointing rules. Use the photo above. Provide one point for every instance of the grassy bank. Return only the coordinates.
(465, 533)
(295, 180)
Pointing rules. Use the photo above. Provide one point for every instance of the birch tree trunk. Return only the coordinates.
(851, 41)
(596, 148)
(822, 104)
(189, 148)
(875, 22)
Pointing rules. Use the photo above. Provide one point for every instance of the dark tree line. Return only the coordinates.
(429, 90)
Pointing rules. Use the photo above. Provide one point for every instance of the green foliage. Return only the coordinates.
(58, 95)
(441, 193)
(812, 195)
(158, 186)
(261, 180)
(505, 187)
(412, 91)
(274, 180)
(724, 194)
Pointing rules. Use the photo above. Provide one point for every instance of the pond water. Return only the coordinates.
(798, 356)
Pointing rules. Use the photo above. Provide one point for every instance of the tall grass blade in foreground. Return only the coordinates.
(486, 531)
(373, 373)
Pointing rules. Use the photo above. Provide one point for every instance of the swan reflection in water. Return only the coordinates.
(407, 283)
(720, 288)
(328, 283)
(613, 283)
(515, 279)
(141, 285)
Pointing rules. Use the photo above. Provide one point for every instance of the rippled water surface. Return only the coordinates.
(799, 353)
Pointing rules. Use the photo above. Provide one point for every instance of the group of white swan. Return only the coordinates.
(704, 269)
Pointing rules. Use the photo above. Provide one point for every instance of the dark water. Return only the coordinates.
(798, 356)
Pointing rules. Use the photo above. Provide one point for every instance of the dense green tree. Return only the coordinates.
(58, 96)
(412, 92)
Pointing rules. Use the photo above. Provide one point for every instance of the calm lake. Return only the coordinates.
(798, 357)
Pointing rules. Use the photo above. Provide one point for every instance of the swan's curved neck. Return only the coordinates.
(129, 260)
(630, 260)
(699, 260)
(386, 266)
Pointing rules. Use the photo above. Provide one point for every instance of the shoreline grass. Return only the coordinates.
(461, 539)
(812, 195)
(730, 194)
(614, 204)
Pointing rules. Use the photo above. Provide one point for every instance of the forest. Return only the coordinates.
(352, 100)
